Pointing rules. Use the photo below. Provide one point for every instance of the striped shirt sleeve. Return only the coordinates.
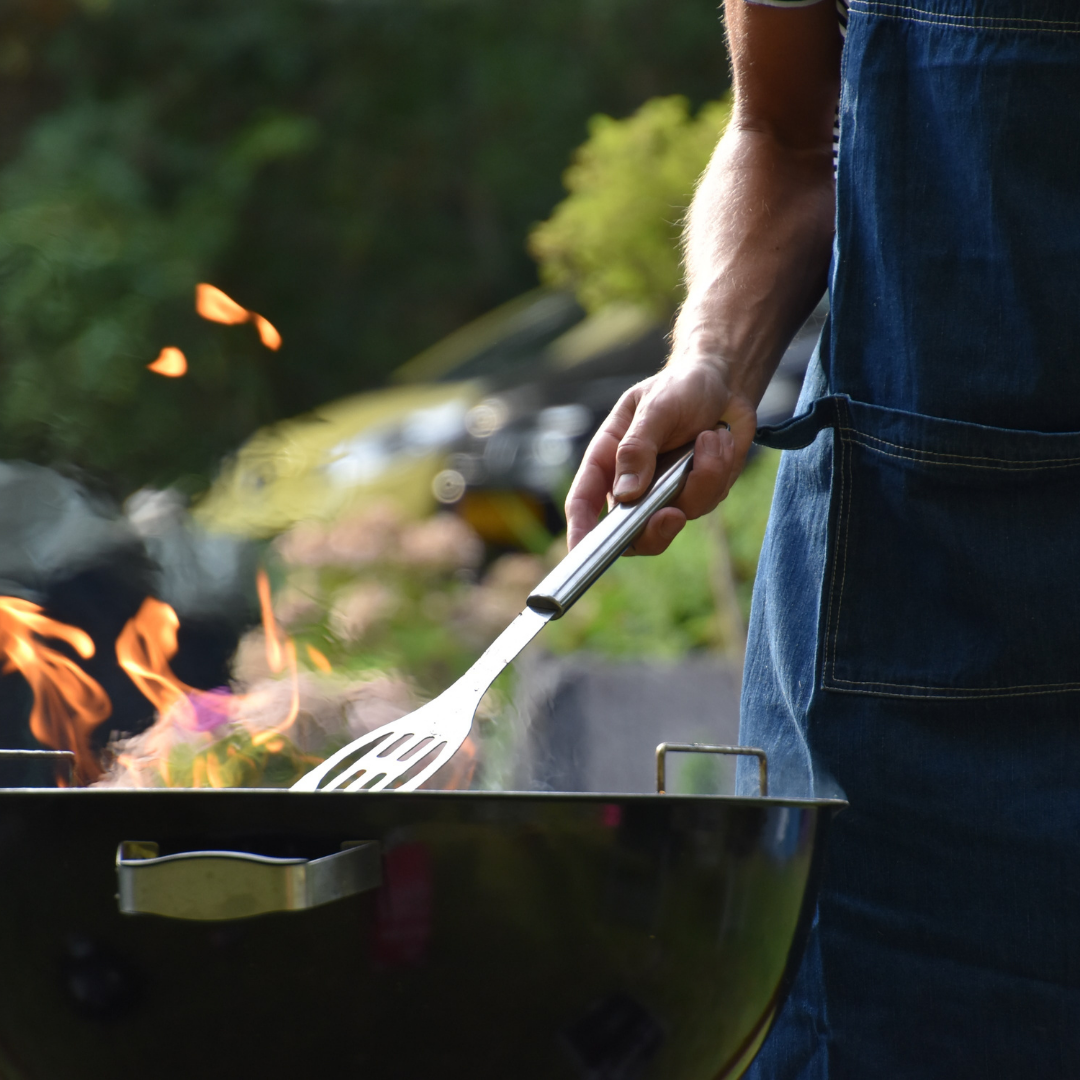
(841, 7)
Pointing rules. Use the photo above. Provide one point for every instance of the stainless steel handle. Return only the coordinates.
(666, 748)
(223, 885)
(612, 536)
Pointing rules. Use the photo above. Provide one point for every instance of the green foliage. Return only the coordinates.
(363, 173)
(615, 237)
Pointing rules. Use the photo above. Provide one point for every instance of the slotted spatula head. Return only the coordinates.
(424, 741)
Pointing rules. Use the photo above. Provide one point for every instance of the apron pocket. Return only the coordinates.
(953, 567)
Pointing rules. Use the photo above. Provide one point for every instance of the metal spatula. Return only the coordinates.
(418, 745)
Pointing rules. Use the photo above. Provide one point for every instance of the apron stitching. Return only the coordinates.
(838, 594)
(959, 691)
(950, 15)
(965, 22)
(969, 26)
(959, 460)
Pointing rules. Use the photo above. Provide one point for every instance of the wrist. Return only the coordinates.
(734, 379)
(738, 345)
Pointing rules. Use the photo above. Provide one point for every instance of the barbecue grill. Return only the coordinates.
(250, 933)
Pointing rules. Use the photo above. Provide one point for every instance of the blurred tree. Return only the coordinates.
(362, 172)
(615, 237)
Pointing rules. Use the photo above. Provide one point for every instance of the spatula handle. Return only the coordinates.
(612, 536)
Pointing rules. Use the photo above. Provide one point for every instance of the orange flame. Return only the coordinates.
(171, 363)
(267, 734)
(147, 644)
(212, 304)
(280, 651)
(192, 717)
(274, 635)
(268, 334)
(68, 703)
(144, 648)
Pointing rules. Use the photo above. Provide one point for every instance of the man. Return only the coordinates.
(914, 624)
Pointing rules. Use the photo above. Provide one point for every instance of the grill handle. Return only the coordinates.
(217, 886)
(666, 748)
(598, 549)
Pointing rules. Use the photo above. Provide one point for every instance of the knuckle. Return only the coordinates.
(631, 446)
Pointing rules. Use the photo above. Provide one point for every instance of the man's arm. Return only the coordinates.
(757, 246)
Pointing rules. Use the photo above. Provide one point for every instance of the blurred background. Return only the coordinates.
(337, 291)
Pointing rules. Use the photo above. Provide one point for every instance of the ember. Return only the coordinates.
(171, 363)
(212, 304)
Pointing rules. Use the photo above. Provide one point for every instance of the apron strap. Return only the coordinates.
(801, 431)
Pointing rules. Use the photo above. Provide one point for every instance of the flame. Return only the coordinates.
(274, 636)
(171, 363)
(218, 307)
(268, 334)
(68, 703)
(264, 737)
(212, 304)
(218, 738)
(144, 648)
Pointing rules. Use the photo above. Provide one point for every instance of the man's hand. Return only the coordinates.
(758, 242)
(675, 407)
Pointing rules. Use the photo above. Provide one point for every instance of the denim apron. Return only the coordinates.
(915, 636)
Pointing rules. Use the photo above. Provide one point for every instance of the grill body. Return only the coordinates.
(540, 936)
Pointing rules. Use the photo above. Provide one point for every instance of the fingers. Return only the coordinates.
(707, 484)
(649, 431)
(712, 474)
(596, 473)
(674, 406)
(663, 527)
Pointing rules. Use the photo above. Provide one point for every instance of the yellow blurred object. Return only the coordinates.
(383, 446)
(507, 518)
(318, 658)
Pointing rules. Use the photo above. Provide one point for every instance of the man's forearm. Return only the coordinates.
(757, 251)
(757, 245)
(760, 228)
